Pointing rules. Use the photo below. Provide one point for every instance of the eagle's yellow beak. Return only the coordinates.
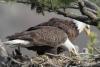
(87, 30)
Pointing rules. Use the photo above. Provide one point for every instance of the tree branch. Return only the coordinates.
(91, 5)
(80, 18)
(24, 2)
(92, 17)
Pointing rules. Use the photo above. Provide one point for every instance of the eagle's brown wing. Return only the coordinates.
(51, 22)
(44, 35)
(66, 25)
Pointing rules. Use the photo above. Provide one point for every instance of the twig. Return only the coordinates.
(17, 61)
(58, 56)
(96, 50)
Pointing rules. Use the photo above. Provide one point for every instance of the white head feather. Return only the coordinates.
(80, 25)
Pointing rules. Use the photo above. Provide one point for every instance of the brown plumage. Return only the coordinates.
(43, 35)
(49, 35)
(43, 38)
(67, 25)
(35, 35)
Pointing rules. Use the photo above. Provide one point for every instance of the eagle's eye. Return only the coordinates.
(87, 26)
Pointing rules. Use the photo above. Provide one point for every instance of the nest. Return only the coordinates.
(50, 60)
(46, 60)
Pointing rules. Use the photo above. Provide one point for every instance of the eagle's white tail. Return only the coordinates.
(16, 42)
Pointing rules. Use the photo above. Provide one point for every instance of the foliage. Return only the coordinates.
(92, 40)
(9, 0)
(99, 26)
(56, 3)
(44, 4)
(97, 2)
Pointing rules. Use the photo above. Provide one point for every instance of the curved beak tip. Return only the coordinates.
(88, 32)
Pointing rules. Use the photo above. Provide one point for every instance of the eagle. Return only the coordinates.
(50, 35)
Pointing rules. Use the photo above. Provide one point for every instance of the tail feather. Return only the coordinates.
(16, 35)
(10, 37)
(17, 42)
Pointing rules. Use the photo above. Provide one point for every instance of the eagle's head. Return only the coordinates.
(81, 26)
(87, 30)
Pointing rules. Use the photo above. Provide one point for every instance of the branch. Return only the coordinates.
(80, 18)
(96, 50)
(18, 62)
(24, 2)
(91, 5)
(84, 10)
(87, 8)
(90, 14)
(73, 7)
(91, 10)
